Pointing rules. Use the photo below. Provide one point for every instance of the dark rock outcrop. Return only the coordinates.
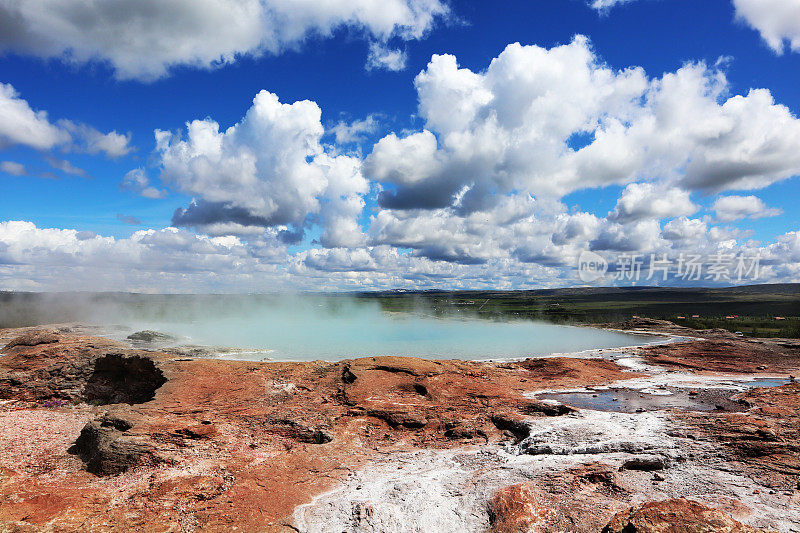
(646, 463)
(516, 427)
(107, 450)
(150, 336)
(547, 408)
(79, 369)
(120, 379)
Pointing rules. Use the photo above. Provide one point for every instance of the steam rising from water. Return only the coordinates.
(311, 327)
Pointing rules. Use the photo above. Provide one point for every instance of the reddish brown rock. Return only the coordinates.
(276, 433)
(765, 438)
(33, 338)
(515, 509)
(675, 516)
(214, 445)
(729, 354)
(204, 430)
(77, 368)
(460, 399)
(570, 371)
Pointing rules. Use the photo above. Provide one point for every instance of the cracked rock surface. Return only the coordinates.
(163, 442)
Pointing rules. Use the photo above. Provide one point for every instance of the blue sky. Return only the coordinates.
(391, 214)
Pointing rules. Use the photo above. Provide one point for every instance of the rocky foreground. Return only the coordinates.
(98, 436)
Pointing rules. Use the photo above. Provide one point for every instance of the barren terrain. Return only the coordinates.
(96, 435)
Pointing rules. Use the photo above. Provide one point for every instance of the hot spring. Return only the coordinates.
(318, 327)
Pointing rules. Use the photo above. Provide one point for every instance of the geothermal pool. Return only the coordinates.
(316, 331)
(303, 327)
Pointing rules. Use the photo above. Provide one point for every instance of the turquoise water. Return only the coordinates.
(309, 331)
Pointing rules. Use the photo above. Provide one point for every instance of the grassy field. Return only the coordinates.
(754, 307)
(749, 326)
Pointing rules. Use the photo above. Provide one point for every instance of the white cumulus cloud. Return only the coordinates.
(778, 21)
(382, 57)
(145, 38)
(175, 260)
(474, 198)
(551, 121)
(137, 181)
(354, 131)
(21, 125)
(167, 259)
(268, 170)
(730, 208)
(647, 200)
